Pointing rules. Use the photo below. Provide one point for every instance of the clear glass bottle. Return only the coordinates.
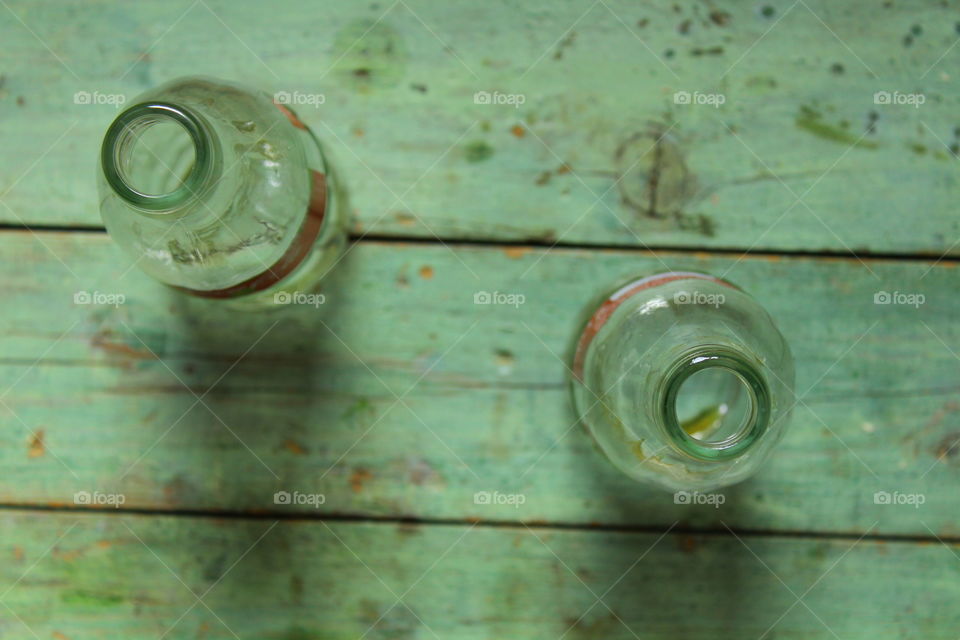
(216, 190)
(683, 380)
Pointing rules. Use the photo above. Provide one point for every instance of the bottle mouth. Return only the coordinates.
(714, 404)
(157, 156)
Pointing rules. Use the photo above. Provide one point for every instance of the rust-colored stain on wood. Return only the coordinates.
(405, 219)
(67, 556)
(101, 340)
(358, 478)
(36, 448)
(516, 252)
(687, 543)
(294, 447)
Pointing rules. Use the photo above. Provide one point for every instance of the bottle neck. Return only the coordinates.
(159, 157)
(713, 404)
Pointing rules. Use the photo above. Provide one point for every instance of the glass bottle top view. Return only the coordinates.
(214, 189)
(683, 381)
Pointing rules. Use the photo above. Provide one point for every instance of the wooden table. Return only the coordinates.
(143, 443)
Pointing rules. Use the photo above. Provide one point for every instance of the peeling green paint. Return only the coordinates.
(811, 121)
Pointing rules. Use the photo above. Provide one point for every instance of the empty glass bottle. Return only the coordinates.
(218, 191)
(683, 380)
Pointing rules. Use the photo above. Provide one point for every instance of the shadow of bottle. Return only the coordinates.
(692, 568)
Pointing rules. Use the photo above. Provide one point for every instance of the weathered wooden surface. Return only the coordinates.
(399, 399)
(96, 576)
(307, 399)
(598, 81)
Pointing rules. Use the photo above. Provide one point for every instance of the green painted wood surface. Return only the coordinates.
(104, 401)
(306, 399)
(598, 81)
(96, 576)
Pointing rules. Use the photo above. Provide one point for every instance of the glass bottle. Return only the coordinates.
(683, 380)
(218, 191)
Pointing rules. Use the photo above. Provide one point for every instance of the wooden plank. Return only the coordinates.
(96, 576)
(575, 162)
(305, 399)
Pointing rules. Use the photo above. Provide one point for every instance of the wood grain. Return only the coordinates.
(105, 576)
(306, 399)
(417, 446)
(598, 152)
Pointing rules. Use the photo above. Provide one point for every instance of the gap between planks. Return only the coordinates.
(678, 527)
(870, 256)
(387, 239)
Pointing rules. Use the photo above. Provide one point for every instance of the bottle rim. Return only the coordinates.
(123, 133)
(748, 432)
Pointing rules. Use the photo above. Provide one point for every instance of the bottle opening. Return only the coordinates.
(160, 158)
(715, 405)
(156, 156)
